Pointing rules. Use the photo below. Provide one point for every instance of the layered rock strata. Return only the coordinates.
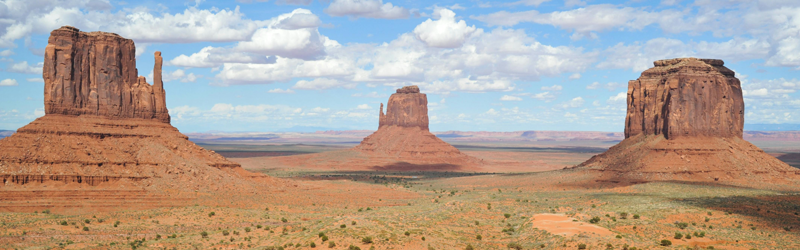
(685, 97)
(684, 123)
(106, 129)
(406, 108)
(95, 74)
(403, 133)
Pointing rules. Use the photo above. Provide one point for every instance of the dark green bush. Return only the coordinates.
(666, 243)
(516, 246)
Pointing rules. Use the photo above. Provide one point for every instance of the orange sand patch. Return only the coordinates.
(560, 224)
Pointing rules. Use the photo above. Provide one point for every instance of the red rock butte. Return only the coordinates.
(403, 135)
(104, 129)
(684, 123)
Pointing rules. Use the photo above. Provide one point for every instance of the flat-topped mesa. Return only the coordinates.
(685, 97)
(406, 108)
(95, 74)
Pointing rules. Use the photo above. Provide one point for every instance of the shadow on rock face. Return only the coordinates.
(405, 166)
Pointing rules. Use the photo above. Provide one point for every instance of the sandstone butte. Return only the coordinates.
(403, 136)
(105, 129)
(684, 123)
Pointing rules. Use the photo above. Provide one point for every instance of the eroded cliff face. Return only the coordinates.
(403, 135)
(406, 108)
(106, 129)
(95, 74)
(685, 97)
(684, 123)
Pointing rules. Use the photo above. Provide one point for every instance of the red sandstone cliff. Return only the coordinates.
(685, 97)
(406, 108)
(95, 74)
(106, 129)
(684, 123)
(403, 134)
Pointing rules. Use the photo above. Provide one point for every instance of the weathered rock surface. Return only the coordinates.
(406, 108)
(95, 74)
(403, 134)
(684, 123)
(685, 97)
(106, 129)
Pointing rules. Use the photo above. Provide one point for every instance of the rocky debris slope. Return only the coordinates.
(95, 74)
(684, 123)
(106, 129)
(403, 134)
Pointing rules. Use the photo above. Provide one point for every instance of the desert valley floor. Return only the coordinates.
(521, 199)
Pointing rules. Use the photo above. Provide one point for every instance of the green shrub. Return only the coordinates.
(211, 214)
(581, 246)
(85, 228)
(423, 238)
(331, 244)
(247, 229)
(407, 233)
(312, 245)
(225, 233)
(64, 223)
(666, 243)
(204, 234)
(321, 234)
(366, 240)
(469, 247)
(516, 246)
(353, 223)
(258, 226)
(507, 215)
(623, 215)
(353, 248)
(478, 237)
(594, 220)
(325, 238)
(284, 220)
(678, 235)
(87, 221)
(636, 216)
(343, 226)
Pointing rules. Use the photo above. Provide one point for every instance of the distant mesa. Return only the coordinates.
(684, 123)
(403, 134)
(105, 128)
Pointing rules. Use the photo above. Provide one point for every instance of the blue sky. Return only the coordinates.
(485, 65)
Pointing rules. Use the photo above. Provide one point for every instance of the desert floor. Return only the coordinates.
(524, 201)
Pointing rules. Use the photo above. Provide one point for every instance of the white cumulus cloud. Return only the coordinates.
(8, 82)
(445, 32)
